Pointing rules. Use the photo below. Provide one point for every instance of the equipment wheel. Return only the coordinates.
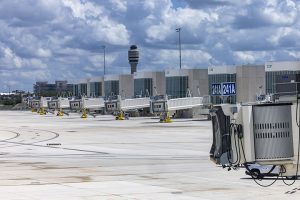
(256, 174)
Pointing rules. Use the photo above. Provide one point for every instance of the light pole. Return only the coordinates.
(179, 45)
(104, 59)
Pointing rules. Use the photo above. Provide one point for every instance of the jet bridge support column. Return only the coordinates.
(120, 115)
(60, 112)
(84, 114)
(160, 105)
(113, 106)
(165, 117)
(42, 111)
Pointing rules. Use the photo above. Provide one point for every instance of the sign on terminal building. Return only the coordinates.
(223, 89)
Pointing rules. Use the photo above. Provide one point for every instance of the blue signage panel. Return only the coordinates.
(228, 89)
(223, 89)
(216, 89)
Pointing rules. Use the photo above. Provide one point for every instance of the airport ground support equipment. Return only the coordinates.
(265, 134)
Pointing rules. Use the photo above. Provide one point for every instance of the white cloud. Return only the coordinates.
(283, 12)
(244, 57)
(119, 5)
(97, 60)
(190, 58)
(36, 75)
(44, 53)
(35, 64)
(10, 59)
(99, 24)
(110, 31)
(191, 20)
(157, 5)
(83, 10)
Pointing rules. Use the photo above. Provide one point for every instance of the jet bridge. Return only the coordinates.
(92, 103)
(39, 105)
(34, 104)
(44, 102)
(115, 104)
(75, 104)
(87, 105)
(60, 105)
(136, 103)
(161, 104)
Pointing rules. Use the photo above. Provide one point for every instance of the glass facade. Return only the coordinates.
(221, 78)
(177, 86)
(111, 88)
(80, 89)
(76, 90)
(43, 88)
(271, 79)
(83, 89)
(96, 89)
(143, 87)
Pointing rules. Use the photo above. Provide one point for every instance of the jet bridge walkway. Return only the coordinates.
(93, 103)
(162, 105)
(60, 103)
(87, 103)
(159, 105)
(118, 104)
(39, 105)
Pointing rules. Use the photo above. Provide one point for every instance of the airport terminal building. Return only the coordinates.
(224, 84)
(174, 83)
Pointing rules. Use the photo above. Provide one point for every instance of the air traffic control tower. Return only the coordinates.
(133, 57)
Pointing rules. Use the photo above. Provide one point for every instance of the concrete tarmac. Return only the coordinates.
(69, 158)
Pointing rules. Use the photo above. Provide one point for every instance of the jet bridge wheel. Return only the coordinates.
(84, 114)
(291, 177)
(165, 118)
(60, 113)
(256, 174)
(120, 116)
(42, 111)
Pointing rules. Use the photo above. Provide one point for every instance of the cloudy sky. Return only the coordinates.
(63, 39)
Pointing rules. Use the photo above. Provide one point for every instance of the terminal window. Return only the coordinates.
(177, 87)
